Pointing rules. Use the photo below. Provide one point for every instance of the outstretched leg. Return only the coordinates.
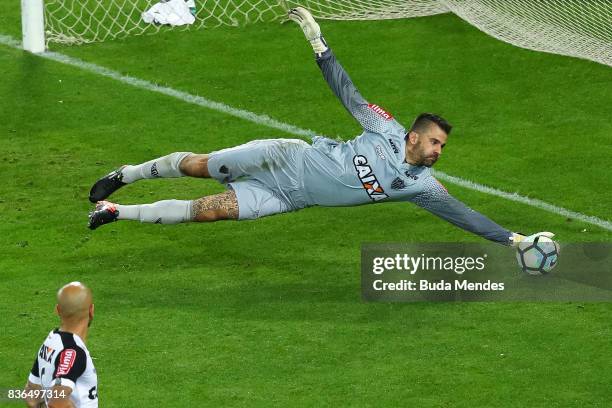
(223, 206)
(255, 157)
(176, 164)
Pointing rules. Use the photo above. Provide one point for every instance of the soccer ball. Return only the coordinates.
(537, 255)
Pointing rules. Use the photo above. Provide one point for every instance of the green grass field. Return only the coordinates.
(269, 312)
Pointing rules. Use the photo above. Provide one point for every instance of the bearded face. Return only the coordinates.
(425, 148)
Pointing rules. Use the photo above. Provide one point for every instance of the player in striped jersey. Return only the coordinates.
(63, 374)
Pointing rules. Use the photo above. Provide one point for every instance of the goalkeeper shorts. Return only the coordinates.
(266, 175)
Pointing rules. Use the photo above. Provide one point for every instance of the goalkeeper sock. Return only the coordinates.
(161, 212)
(167, 166)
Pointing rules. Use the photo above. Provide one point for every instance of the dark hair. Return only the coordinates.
(424, 120)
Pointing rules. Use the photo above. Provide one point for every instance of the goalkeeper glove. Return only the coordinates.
(517, 237)
(311, 29)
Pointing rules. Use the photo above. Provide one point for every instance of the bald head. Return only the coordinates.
(74, 301)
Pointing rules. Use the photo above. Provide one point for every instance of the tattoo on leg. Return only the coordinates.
(221, 206)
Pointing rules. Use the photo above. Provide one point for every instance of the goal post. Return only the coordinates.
(577, 28)
(33, 25)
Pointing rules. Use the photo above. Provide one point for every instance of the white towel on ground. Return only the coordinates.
(172, 12)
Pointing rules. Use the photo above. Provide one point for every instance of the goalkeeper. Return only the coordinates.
(265, 177)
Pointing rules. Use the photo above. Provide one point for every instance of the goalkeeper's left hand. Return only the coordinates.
(516, 238)
(311, 29)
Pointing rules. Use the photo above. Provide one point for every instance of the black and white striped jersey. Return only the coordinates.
(63, 359)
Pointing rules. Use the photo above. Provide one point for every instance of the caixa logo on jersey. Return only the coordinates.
(368, 179)
(46, 353)
(66, 361)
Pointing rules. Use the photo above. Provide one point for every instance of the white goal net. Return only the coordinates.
(579, 28)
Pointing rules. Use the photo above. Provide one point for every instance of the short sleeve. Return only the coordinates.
(34, 376)
(69, 366)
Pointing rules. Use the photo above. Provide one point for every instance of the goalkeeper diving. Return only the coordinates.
(386, 163)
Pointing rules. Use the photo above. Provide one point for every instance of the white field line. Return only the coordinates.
(149, 86)
(534, 202)
(272, 123)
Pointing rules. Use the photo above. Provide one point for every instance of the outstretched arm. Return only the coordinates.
(438, 201)
(371, 117)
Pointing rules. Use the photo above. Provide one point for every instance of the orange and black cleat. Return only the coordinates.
(104, 213)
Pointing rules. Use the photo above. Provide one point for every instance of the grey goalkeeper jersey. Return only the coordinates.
(371, 168)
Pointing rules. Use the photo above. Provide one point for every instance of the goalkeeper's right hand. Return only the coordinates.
(517, 237)
(311, 29)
